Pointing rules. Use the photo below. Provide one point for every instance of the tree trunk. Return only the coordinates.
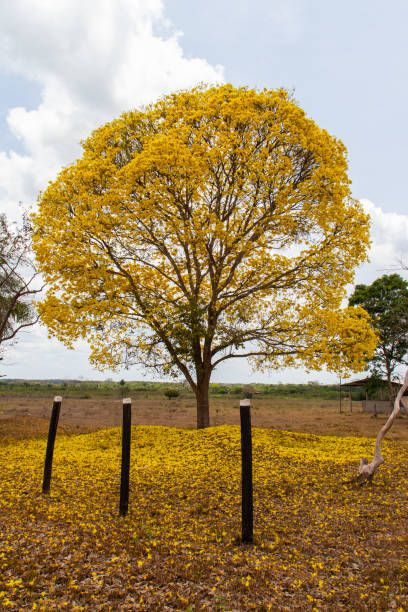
(203, 405)
(390, 385)
(367, 470)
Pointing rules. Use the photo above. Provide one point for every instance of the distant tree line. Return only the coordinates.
(89, 389)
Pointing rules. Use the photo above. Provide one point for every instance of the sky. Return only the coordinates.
(66, 68)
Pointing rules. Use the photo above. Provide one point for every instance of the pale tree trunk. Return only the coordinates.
(389, 379)
(367, 470)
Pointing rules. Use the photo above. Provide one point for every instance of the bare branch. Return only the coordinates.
(367, 470)
(17, 275)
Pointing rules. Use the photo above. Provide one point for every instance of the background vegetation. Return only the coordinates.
(138, 389)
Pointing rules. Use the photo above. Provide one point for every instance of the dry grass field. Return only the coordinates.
(319, 544)
(29, 417)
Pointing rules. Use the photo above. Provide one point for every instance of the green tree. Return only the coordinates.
(386, 301)
(17, 275)
(213, 225)
(171, 393)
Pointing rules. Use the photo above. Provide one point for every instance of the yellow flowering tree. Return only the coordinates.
(216, 223)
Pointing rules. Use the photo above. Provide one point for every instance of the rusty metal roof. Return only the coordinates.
(362, 381)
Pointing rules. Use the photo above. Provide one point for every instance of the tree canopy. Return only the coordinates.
(216, 223)
(386, 301)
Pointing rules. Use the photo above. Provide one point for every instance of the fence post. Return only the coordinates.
(246, 454)
(52, 432)
(124, 476)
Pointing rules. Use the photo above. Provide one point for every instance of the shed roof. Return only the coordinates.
(362, 381)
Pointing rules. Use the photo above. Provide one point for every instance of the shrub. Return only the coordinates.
(170, 393)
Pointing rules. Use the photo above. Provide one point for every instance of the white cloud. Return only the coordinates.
(389, 234)
(92, 61)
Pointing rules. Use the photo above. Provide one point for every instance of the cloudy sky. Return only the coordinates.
(66, 66)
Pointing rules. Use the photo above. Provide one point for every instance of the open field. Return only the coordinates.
(298, 415)
(319, 544)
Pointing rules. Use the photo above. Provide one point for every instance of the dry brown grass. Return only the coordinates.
(29, 417)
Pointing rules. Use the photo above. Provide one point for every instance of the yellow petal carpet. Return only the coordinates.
(319, 544)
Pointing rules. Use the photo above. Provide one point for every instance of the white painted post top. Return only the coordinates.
(245, 402)
(57, 398)
(127, 400)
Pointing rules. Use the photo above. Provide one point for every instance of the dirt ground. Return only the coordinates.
(24, 417)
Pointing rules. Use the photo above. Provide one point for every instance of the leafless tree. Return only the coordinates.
(367, 470)
(18, 276)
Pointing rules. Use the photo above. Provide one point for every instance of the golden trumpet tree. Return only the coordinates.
(216, 223)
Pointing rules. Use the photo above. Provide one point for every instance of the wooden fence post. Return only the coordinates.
(52, 432)
(246, 454)
(124, 476)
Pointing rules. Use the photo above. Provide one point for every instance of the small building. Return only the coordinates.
(377, 405)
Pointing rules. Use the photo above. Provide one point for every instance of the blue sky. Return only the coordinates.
(66, 68)
(346, 62)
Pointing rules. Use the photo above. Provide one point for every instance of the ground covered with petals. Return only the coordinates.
(319, 544)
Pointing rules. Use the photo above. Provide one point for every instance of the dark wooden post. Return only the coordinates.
(52, 432)
(124, 476)
(246, 454)
(340, 396)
